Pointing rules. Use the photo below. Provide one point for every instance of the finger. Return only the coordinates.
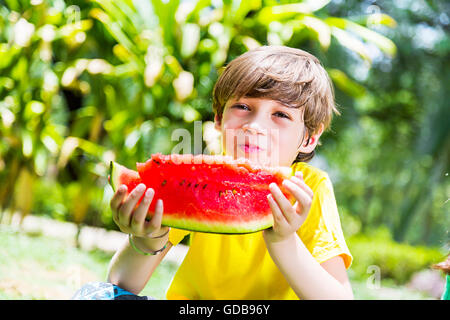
(303, 185)
(138, 218)
(303, 198)
(118, 197)
(278, 217)
(116, 201)
(129, 204)
(284, 204)
(155, 223)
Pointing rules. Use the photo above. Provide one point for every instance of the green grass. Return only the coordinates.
(39, 267)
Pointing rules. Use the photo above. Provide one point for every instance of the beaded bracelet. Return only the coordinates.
(152, 253)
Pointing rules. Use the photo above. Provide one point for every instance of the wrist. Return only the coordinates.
(147, 244)
(272, 238)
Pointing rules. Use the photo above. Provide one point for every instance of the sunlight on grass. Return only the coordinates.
(47, 268)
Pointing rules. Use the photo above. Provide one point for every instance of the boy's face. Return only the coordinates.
(263, 131)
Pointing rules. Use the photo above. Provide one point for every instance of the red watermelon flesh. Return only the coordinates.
(207, 193)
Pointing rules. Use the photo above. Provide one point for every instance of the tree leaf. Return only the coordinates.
(245, 6)
(344, 83)
(68, 147)
(166, 11)
(351, 42)
(383, 43)
(190, 39)
(285, 11)
(321, 29)
(250, 43)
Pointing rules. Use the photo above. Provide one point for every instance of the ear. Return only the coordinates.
(313, 141)
(218, 122)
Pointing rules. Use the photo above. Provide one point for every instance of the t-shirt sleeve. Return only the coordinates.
(176, 235)
(321, 232)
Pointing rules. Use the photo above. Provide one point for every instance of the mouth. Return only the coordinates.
(250, 148)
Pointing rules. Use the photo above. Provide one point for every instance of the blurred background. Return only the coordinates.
(86, 82)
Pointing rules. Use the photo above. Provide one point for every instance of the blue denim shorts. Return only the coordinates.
(105, 291)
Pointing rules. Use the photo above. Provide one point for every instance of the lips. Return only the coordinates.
(250, 148)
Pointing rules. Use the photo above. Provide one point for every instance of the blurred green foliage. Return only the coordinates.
(391, 150)
(86, 82)
(376, 251)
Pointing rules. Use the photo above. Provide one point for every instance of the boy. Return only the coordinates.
(271, 105)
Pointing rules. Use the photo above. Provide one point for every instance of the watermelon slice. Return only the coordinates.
(206, 193)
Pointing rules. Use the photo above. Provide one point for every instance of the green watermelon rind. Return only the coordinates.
(113, 176)
(217, 227)
(115, 171)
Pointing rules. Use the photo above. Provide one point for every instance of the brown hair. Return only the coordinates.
(291, 76)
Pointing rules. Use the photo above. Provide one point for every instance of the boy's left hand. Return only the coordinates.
(288, 218)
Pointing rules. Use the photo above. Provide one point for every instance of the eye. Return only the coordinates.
(240, 106)
(282, 115)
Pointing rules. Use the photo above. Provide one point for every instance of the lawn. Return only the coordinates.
(38, 267)
(41, 267)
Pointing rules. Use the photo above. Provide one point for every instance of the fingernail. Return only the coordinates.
(141, 187)
(148, 192)
(123, 188)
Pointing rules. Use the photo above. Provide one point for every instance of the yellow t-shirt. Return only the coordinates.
(239, 267)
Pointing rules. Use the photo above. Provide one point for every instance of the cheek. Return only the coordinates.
(230, 121)
(285, 138)
(230, 127)
(228, 134)
(287, 143)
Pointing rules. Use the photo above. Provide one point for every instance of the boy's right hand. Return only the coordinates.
(131, 219)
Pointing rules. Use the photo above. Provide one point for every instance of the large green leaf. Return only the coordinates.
(384, 44)
(114, 28)
(285, 11)
(346, 84)
(351, 42)
(242, 8)
(320, 28)
(166, 10)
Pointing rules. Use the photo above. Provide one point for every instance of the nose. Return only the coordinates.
(253, 127)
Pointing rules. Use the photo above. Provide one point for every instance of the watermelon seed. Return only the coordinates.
(157, 162)
(204, 186)
(182, 182)
(220, 194)
(189, 184)
(196, 185)
(234, 191)
(164, 183)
